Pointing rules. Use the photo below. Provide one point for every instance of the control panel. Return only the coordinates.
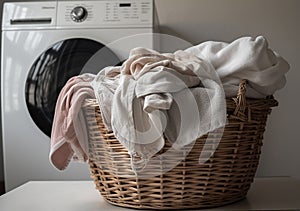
(137, 13)
(78, 14)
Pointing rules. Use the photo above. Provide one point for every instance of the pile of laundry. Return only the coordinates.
(178, 95)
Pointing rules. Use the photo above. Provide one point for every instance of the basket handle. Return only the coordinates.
(240, 102)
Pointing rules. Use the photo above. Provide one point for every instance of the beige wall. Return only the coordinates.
(278, 20)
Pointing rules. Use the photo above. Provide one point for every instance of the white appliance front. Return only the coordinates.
(28, 46)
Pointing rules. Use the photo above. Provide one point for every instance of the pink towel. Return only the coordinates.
(69, 135)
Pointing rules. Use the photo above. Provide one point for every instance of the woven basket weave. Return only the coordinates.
(224, 178)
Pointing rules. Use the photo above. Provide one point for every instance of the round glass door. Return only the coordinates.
(53, 68)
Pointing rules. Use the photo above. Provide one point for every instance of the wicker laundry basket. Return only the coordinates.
(225, 178)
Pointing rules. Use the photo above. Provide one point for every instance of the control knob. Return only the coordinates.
(79, 14)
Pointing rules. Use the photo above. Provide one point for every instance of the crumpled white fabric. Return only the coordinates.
(153, 94)
(245, 58)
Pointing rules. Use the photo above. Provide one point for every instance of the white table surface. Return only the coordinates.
(265, 194)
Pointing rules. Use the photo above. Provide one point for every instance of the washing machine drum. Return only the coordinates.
(54, 67)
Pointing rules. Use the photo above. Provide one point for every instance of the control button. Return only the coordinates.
(79, 14)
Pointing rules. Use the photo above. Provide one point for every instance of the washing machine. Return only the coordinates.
(43, 45)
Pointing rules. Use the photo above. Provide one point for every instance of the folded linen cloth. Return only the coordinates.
(177, 94)
(245, 58)
(69, 133)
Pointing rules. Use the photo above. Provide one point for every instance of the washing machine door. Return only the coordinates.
(54, 67)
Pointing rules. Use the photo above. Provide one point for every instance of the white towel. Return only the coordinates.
(245, 58)
(177, 94)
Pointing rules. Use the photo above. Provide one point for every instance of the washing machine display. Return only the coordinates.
(52, 69)
(42, 47)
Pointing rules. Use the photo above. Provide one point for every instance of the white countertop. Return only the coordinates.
(265, 194)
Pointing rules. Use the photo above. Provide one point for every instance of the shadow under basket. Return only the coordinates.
(224, 178)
